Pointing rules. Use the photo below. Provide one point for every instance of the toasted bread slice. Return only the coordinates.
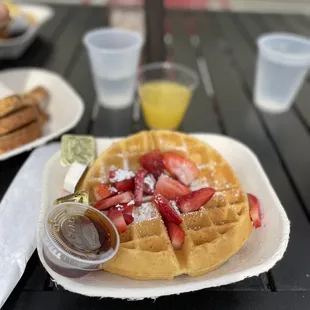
(20, 136)
(10, 104)
(38, 96)
(18, 119)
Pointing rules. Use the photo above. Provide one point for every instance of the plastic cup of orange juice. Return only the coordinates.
(165, 90)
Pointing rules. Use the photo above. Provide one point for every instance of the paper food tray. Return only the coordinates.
(265, 247)
(61, 94)
(14, 48)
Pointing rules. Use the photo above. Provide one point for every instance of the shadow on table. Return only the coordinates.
(36, 55)
(111, 123)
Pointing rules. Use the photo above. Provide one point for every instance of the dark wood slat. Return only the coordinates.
(8, 169)
(200, 116)
(294, 23)
(154, 22)
(197, 300)
(285, 278)
(35, 276)
(305, 20)
(55, 25)
(286, 140)
(64, 51)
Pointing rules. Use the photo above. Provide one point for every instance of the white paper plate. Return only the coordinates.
(65, 107)
(14, 48)
(264, 248)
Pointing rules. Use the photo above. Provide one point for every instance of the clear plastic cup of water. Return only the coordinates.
(114, 57)
(282, 66)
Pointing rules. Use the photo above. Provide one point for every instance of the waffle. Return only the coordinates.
(212, 234)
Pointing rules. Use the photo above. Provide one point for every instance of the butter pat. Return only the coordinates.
(79, 149)
(73, 176)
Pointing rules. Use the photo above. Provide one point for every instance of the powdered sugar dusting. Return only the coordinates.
(182, 148)
(198, 184)
(131, 202)
(210, 165)
(174, 206)
(112, 189)
(120, 175)
(119, 207)
(145, 212)
(150, 181)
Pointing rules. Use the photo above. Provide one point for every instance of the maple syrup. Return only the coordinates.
(78, 239)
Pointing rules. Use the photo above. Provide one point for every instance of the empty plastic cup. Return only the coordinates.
(114, 57)
(282, 65)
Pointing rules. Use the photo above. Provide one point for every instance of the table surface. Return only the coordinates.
(221, 47)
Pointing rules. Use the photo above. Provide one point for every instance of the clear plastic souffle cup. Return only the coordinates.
(77, 239)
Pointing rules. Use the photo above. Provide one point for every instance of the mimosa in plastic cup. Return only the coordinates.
(165, 91)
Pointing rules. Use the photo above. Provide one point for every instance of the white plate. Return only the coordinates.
(264, 248)
(14, 48)
(65, 107)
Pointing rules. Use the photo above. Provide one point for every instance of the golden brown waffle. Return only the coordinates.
(18, 119)
(212, 234)
(20, 136)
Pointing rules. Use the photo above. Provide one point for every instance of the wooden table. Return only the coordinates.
(221, 46)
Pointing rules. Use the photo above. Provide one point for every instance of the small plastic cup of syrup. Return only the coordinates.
(77, 239)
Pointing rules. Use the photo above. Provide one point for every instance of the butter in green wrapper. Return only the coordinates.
(77, 148)
(81, 197)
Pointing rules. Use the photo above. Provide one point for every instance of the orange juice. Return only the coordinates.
(164, 103)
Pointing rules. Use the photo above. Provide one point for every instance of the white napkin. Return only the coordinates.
(19, 212)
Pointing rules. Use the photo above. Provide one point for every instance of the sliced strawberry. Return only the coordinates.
(149, 184)
(176, 235)
(113, 201)
(194, 200)
(166, 210)
(126, 211)
(139, 182)
(255, 212)
(102, 191)
(125, 185)
(118, 220)
(170, 188)
(182, 168)
(128, 218)
(153, 162)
